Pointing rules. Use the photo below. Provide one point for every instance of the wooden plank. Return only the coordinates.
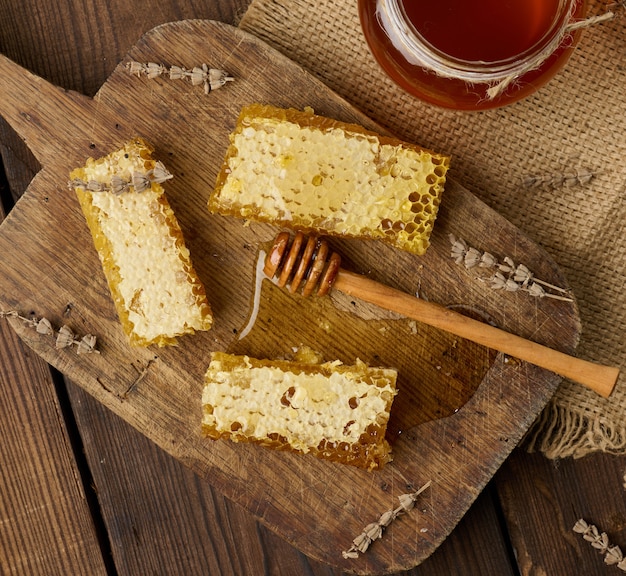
(161, 516)
(43, 37)
(45, 521)
(77, 44)
(478, 545)
(542, 499)
(86, 71)
(460, 452)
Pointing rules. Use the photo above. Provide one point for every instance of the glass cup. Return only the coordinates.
(471, 54)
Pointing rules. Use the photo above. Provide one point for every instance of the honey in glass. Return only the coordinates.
(471, 54)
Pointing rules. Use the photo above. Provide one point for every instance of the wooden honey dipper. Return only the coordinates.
(309, 262)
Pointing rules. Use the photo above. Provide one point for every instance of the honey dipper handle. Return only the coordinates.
(600, 379)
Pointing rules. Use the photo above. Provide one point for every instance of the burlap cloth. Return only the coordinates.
(531, 162)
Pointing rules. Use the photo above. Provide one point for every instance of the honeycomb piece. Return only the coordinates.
(307, 172)
(157, 293)
(330, 410)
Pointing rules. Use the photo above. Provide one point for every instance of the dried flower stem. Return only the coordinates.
(210, 78)
(374, 531)
(140, 181)
(65, 338)
(577, 177)
(506, 274)
(600, 541)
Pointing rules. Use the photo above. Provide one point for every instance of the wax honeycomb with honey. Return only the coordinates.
(312, 173)
(331, 410)
(157, 293)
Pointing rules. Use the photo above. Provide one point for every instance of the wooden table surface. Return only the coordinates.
(81, 492)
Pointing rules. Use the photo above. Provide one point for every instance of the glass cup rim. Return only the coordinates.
(419, 51)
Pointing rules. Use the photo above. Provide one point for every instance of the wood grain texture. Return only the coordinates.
(459, 453)
(470, 549)
(45, 521)
(174, 522)
(600, 379)
(563, 491)
(162, 517)
(78, 44)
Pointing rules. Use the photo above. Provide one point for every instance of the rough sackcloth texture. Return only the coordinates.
(517, 160)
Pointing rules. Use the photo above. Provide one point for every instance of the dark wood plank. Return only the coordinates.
(542, 499)
(160, 516)
(76, 44)
(478, 545)
(46, 525)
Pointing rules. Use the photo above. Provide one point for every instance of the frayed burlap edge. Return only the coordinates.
(561, 432)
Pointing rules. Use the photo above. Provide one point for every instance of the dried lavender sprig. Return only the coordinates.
(600, 541)
(210, 78)
(507, 275)
(374, 530)
(578, 177)
(65, 337)
(139, 181)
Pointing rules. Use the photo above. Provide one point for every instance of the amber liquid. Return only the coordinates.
(482, 30)
(487, 31)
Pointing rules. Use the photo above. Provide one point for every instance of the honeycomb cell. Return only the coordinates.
(340, 179)
(157, 294)
(322, 409)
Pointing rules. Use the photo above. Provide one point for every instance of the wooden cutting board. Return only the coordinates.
(461, 409)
